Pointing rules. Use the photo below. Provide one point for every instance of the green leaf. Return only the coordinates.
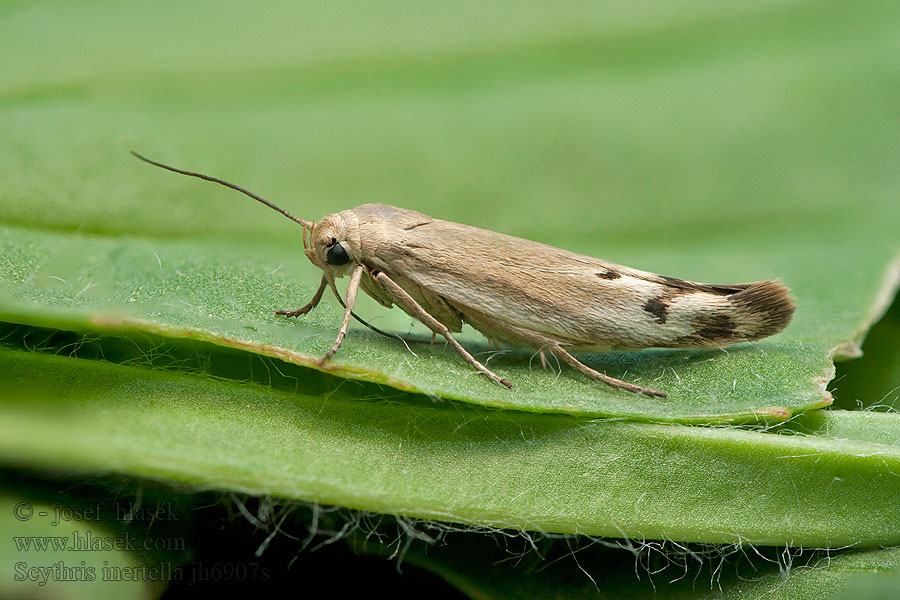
(703, 142)
(412, 457)
(224, 294)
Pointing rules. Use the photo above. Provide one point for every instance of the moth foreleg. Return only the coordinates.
(558, 350)
(352, 289)
(415, 309)
(312, 303)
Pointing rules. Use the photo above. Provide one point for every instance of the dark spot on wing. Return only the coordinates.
(710, 330)
(419, 224)
(715, 327)
(658, 308)
(608, 275)
(687, 287)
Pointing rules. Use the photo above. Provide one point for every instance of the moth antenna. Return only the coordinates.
(306, 224)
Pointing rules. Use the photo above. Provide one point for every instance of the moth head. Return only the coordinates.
(330, 246)
(333, 243)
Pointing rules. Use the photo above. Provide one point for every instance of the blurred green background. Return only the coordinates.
(706, 140)
(574, 120)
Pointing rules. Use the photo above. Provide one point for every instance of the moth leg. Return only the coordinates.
(416, 310)
(312, 303)
(543, 359)
(597, 376)
(352, 289)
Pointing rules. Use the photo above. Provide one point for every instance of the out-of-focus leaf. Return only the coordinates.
(412, 457)
(70, 552)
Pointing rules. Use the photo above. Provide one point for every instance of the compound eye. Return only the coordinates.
(337, 255)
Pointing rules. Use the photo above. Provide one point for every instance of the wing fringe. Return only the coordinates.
(769, 302)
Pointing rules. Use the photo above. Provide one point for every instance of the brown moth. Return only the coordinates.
(514, 290)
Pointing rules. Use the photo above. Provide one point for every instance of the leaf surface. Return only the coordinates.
(457, 463)
(703, 142)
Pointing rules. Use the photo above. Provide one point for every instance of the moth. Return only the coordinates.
(522, 292)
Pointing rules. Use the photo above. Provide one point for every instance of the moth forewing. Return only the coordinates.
(444, 273)
(524, 289)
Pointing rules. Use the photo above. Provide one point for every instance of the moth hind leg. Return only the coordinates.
(618, 384)
(403, 299)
